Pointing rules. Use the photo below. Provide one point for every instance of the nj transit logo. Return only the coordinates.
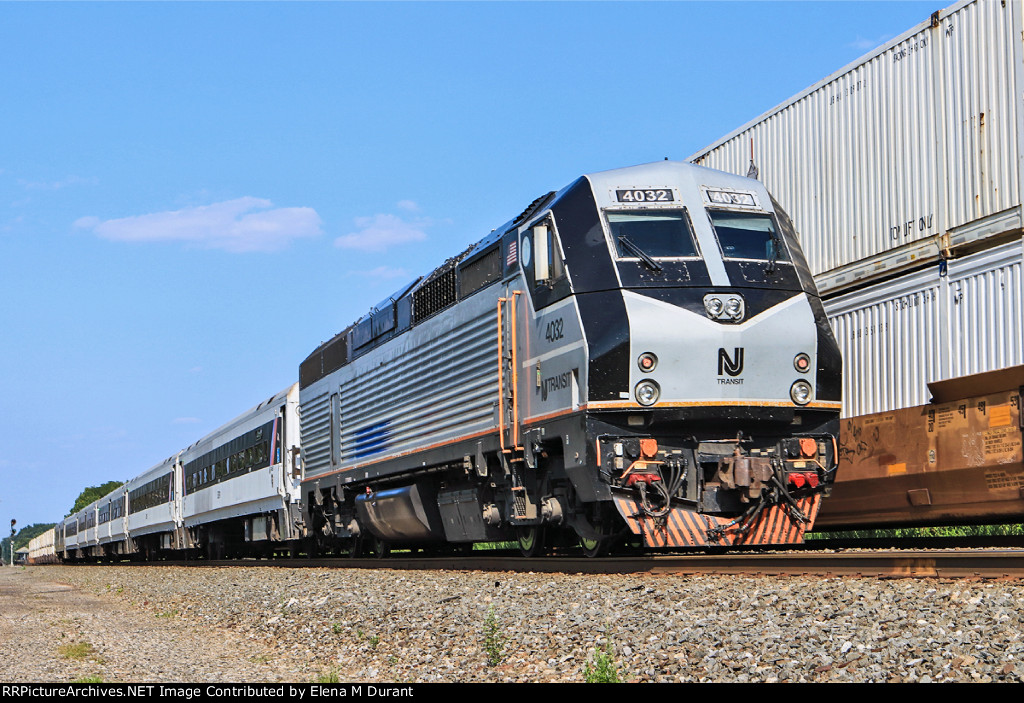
(733, 365)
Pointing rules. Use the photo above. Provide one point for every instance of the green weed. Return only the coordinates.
(493, 546)
(600, 668)
(923, 532)
(494, 638)
(76, 650)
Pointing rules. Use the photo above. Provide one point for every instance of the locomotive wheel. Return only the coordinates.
(531, 541)
(595, 547)
(462, 549)
(381, 549)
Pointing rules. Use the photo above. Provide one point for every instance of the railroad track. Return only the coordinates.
(890, 563)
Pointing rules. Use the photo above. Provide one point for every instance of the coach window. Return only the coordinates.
(542, 263)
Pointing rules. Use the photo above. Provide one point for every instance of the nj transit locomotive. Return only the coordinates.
(642, 354)
(640, 357)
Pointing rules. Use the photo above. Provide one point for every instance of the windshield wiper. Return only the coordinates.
(774, 258)
(641, 254)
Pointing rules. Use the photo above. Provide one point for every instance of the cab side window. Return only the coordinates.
(541, 258)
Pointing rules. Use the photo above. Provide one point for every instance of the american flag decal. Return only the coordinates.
(510, 260)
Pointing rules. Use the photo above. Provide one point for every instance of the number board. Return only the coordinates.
(645, 195)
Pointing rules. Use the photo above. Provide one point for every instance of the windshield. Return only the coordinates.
(658, 234)
(747, 236)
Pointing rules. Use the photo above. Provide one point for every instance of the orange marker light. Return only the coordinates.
(802, 362)
(647, 362)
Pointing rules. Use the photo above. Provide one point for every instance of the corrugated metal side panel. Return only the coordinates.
(315, 434)
(918, 139)
(985, 313)
(438, 390)
(980, 110)
(891, 340)
(899, 335)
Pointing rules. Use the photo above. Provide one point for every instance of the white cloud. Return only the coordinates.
(379, 232)
(409, 205)
(185, 420)
(240, 225)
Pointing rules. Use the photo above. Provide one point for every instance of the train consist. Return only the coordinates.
(235, 492)
(639, 358)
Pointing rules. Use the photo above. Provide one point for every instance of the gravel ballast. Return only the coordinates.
(265, 624)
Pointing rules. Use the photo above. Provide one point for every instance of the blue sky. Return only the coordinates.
(194, 195)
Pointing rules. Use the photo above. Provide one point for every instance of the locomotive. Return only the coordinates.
(640, 358)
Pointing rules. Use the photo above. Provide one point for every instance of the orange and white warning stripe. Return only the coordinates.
(686, 528)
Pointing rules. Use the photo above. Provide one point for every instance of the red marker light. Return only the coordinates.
(647, 362)
(802, 362)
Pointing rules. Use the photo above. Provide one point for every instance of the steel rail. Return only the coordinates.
(916, 563)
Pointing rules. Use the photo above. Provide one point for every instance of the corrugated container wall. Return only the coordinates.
(914, 148)
(925, 326)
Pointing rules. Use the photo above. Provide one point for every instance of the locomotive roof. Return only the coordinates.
(643, 174)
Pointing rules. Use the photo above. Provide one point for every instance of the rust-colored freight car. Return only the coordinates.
(957, 460)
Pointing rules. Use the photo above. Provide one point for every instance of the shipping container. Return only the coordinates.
(908, 155)
(948, 320)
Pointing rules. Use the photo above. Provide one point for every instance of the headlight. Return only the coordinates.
(725, 307)
(734, 308)
(801, 392)
(647, 392)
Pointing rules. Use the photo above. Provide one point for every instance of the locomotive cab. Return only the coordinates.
(711, 374)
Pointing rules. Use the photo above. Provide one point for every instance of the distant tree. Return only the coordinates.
(93, 493)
